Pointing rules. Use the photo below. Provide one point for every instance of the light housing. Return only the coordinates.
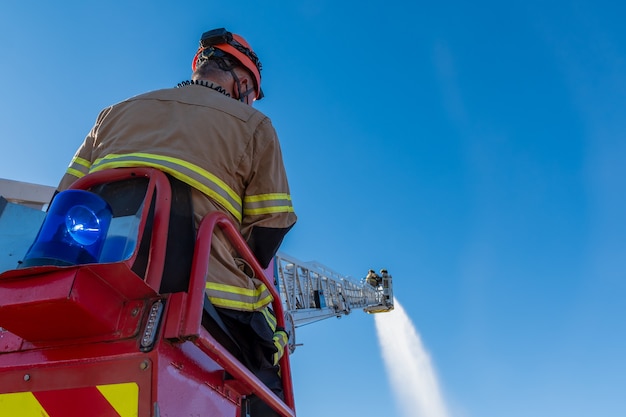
(73, 232)
(152, 326)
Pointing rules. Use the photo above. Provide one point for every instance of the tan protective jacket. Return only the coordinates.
(225, 150)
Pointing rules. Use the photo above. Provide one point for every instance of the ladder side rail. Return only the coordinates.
(310, 315)
(323, 270)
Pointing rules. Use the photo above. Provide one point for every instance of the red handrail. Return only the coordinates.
(224, 358)
(194, 308)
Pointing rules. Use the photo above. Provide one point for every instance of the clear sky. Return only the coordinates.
(475, 149)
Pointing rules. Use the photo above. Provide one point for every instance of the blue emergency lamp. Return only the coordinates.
(73, 232)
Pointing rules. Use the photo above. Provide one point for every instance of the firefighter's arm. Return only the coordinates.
(267, 208)
(265, 241)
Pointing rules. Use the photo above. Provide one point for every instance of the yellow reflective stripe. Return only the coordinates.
(230, 296)
(189, 173)
(268, 210)
(270, 318)
(280, 341)
(267, 197)
(124, 398)
(267, 203)
(81, 161)
(79, 167)
(236, 290)
(240, 305)
(22, 404)
(75, 172)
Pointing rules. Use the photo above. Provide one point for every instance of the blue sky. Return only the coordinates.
(476, 150)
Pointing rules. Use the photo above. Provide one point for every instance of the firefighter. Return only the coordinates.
(372, 278)
(205, 133)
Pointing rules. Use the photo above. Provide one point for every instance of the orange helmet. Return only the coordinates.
(235, 46)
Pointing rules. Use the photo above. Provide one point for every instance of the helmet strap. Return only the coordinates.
(242, 95)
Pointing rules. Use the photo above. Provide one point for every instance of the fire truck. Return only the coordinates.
(102, 298)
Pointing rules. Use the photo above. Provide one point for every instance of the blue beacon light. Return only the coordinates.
(73, 232)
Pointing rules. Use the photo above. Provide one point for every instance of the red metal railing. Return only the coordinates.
(195, 307)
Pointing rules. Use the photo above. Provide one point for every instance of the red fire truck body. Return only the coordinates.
(103, 339)
(99, 340)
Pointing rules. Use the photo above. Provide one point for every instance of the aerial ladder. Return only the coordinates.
(116, 332)
(310, 292)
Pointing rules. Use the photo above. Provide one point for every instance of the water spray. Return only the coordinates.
(409, 368)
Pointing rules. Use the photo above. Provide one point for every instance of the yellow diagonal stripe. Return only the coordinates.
(123, 397)
(21, 404)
